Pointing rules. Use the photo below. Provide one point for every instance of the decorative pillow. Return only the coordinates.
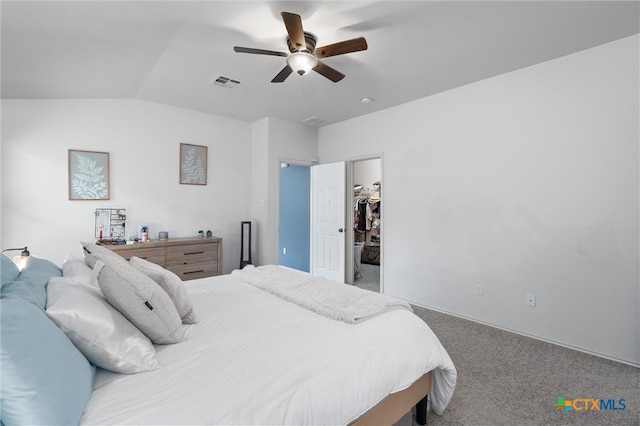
(139, 299)
(102, 334)
(170, 283)
(10, 270)
(31, 284)
(89, 251)
(45, 379)
(76, 268)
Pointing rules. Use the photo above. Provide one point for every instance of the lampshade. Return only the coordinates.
(302, 62)
(20, 261)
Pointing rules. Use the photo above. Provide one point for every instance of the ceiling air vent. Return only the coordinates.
(315, 121)
(226, 82)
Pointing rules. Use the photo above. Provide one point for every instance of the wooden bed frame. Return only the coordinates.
(393, 407)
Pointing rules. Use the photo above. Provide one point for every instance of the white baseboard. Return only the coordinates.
(543, 339)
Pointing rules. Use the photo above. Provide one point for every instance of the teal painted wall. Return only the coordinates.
(295, 213)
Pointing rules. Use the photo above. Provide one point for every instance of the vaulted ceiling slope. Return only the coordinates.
(170, 51)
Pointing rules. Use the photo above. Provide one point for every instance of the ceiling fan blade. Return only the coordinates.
(347, 46)
(258, 51)
(282, 75)
(331, 73)
(293, 23)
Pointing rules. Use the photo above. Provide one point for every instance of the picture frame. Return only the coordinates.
(193, 164)
(88, 175)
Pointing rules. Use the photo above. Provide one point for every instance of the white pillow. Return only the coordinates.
(170, 283)
(76, 268)
(139, 299)
(105, 337)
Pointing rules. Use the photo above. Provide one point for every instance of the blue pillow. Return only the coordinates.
(10, 270)
(31, 285)
(45, 379)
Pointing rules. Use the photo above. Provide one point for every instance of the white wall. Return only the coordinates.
(143, 141)
(524, 183)
(274, 140)
(366, 172)
(259, 189)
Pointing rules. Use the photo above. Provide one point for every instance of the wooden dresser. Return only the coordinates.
(188, 258)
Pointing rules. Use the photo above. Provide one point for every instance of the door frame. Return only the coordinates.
(349, 240)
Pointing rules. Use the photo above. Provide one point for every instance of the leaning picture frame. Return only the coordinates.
(88, 175)
(193, 164)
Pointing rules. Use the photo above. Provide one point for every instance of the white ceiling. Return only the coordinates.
(169, 51)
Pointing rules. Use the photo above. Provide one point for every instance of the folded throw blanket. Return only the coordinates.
(325, 297)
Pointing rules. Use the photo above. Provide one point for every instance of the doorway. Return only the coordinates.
(363, 175)
(294, 215)
(366, 208)
(311, 218)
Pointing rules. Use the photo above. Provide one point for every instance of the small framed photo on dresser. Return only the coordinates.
(88, 175)
(193, 164)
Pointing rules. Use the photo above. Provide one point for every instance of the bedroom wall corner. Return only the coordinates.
(259, 187)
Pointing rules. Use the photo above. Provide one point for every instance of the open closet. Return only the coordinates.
(367, 223)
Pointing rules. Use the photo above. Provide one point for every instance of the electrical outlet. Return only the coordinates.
(479, 289)
(284, 250)
(531, 300)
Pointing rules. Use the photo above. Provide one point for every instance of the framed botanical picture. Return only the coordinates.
(88, 175)
(193, 164)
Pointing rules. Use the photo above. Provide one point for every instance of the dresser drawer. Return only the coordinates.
(195, 270)
(154, 255)
(189, 258)
(189, 254)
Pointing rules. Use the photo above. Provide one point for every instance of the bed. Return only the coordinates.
(247, 355)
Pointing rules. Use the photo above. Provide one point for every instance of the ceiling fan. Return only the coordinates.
(304, 55)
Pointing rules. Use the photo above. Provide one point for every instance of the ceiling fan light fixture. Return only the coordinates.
(302, 62)
(304, 56)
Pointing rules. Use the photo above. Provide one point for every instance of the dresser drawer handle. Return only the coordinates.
(193, 252)
(193, 272)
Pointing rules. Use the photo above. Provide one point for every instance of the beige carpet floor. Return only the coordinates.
(508, 379)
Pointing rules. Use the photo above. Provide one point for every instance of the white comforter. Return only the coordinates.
(253, 358)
